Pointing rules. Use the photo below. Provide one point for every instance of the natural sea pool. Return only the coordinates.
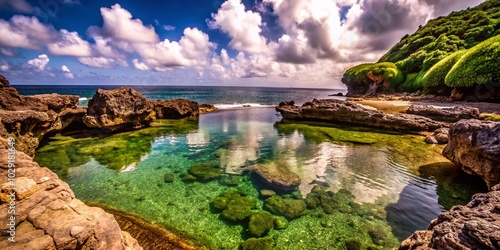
(385, 186)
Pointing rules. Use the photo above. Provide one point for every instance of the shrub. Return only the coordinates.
(436, 74)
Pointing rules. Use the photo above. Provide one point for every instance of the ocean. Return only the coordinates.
(379, 186)
(221, 97)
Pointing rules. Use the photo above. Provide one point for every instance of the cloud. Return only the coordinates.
(244, 27)
(39, 63)
(139, 65)
(8, 52)
(67, 73)
(69, 44)
(20, 6)
(25, 32)
(118, 24)
(168, 27)
(4, 66)
(102, 62)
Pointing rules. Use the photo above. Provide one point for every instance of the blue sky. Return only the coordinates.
(276, 43)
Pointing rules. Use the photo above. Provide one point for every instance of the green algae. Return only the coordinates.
(291, 209)
(257, 244)
(260, 223)
(205, 171)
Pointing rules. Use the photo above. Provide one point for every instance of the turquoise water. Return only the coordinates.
(384, 186)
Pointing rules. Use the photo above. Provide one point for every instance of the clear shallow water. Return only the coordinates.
(225, 97)
(397, 183)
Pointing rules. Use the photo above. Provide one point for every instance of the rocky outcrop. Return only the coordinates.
(475, 146)
(4, 82)
(47, 214)
(453, 114)
(175, 109)
(277, 176)
(206, 108)
(119, 109)
(336, 111)
(474, 226)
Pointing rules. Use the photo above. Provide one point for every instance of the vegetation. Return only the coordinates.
(291, 209)
(458, 50)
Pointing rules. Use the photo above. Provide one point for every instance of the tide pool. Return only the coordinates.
(380, 186)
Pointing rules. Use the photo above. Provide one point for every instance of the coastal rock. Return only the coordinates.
(337, 111)
(474, 146)
(453, 114)
(4, 82)
(474, 226)
(206, 108)
(277, 176)
(48, 216)
(175, 109)
(55, 102)
(119, 109)
(11, 100)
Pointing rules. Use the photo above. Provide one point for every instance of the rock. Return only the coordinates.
(442, 138)
(291, 209)
(287, 103)
(4, 83)
(48, 216)
(430, 140)
(119, 109)
(474, 146)
(169, 177)
(56, 102)
(206, 108)
(474, 226)
(453, 114)
(175, 109)
(205, 171)
(230, 180)
(337, 111)
(277, 176)
(267, 193)
(260, 223)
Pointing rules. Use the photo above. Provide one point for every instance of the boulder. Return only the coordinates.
(337, 111)
(48, 216)
(475, 146)
(4, 82)
(453, 114)
(474, 226)
(119, 109)
(277, 176)
(175, 109)
(206, 108)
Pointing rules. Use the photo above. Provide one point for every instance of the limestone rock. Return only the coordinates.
(175, 109)
(475, 146)
(337, 111)
(119, 109)
(277, 176)
(474, 226)
(48, 216)
(453, 114)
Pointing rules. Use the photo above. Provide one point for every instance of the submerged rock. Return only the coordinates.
(257, 244)
(234, 205)
(336, 111)
(475, 146)
(474, 226)
(453, 114)
(277, 176)
(205, 171)
(48, 216)
(260, 223)
(291, 209)
(119, 109)
(175, 109)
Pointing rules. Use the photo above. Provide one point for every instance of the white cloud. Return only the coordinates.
(4, 66)
(8, 52)
(69, 44)
(40, 62)
(244, 27)
(118, 24)
(168, 27)
(20, 6)
(139, 65)
(102, 62)
(67, 73)
(25, 32)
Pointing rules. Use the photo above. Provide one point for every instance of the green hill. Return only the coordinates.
(461, 50)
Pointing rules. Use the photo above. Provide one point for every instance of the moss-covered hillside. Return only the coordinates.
(457, 51)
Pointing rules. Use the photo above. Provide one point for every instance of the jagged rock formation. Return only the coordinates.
(453, 114)
(47, 214)
(475, 146)
(336, 111)
(175, 109)
(119, 109)
(474, 226)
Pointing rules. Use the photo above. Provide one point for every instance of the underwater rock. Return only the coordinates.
(230, 180)
(234, 204)
(267, 193)
(474, 146)
(453, 114)
(175, 109)
(205, 171)
(257, 244)
(337, 111)
(169, 177)
(119, 109)
(291, 209)
(280, 223)
(474, 226)
(48, 216)
(260, 223)
(277, 176)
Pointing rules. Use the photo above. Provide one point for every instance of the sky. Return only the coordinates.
(273, 43)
